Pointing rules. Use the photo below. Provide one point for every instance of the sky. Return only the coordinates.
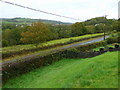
(79, 9)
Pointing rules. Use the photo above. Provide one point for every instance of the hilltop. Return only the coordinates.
(20, 20)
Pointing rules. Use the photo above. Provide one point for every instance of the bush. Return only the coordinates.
(111, 40)
(92, 45)
(5, 43)
(116, 46)
(114, 31)
(72, 50)
(101, 49)
(71, 53)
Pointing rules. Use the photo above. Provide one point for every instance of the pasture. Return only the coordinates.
(97, 72)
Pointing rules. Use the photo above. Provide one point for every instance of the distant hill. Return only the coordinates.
(28, 21)
(98, 20)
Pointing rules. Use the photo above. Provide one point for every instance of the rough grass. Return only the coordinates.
(53, 42)
(96, 72)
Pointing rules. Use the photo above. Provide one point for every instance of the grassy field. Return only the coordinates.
(53, 42)
(20, 21)
(96, 72)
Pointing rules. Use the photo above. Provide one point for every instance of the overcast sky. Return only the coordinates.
(81, 9)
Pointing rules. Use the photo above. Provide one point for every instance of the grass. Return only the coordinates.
(18, 48)
(96, 72)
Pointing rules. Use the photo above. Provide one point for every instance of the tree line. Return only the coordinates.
(40, 32)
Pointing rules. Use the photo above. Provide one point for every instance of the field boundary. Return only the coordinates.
(25, 51)
(10, 70)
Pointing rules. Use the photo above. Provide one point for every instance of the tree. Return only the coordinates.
(78, 29)
(64, 31)
(99, 27)
(115, 25)
(108, 28)
(6, 36)
(37, 33)
(90, 29)
(8, 26)
(12, 36)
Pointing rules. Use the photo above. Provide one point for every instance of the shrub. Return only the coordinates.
(116, 46)
(5, 43)
(72, 50)
(91, 46)
(111, 40)
(101, 49)
(114, 31)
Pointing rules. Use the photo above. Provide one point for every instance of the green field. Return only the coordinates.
(20, 21)
(97, 72)
(18, 48)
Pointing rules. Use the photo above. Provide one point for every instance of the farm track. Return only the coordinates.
(43, 53)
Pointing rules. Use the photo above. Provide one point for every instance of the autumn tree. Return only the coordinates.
(36, 33)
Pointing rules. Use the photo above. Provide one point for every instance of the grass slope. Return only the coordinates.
(96, 72)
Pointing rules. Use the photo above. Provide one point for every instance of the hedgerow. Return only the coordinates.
(21, 66)
(25, 51)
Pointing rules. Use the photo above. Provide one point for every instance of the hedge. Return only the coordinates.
(25, 51)
(111, 40)
(21, 66)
